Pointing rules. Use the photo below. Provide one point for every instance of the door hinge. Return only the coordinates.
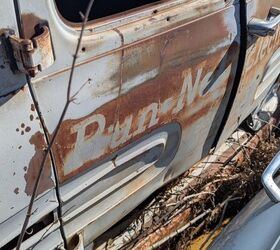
(32, 55)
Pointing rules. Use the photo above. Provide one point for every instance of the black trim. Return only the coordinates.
(18, 18)
(240, 67)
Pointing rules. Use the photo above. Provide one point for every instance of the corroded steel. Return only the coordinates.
(173, 62)
(173, 65)
(257, 77)
(178, 84)
(33, 55)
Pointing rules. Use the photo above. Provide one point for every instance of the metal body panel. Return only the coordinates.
(48, 238)
(52, 241)
(9, 82)
(21, 149)
(22, 146)
(11, 227)
(150, 91)
(8, 17)
(26, 142)
(173, 66)
(260, 69)
(159, 76)
(111, 192)
(148, 62)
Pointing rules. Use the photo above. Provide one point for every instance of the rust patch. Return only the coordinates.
(150, 105)
(16, 191)
(32, 107)
(67, 136)
(29, 21)
(182, 81)
(262, 8)
(27, 129)
(91, 130)
(39, 45)
(46, 182)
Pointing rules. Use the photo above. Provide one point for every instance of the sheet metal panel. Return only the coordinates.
(257, 69)
(176, 65)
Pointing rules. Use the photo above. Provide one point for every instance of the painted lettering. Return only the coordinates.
(92, 141)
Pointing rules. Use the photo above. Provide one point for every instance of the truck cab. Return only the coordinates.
(156, 85)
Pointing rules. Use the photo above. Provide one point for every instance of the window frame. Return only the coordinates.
(113, 21)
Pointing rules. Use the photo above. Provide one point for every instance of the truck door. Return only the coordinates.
(261, 63)
(151, 86)
(22, 147)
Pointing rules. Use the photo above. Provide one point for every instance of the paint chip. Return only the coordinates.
(27, 129)
(16, 191)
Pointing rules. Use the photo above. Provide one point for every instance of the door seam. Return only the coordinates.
(239, 68)
(41, 119)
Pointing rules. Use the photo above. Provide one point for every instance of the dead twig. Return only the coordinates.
(180, 230)
(224, 204)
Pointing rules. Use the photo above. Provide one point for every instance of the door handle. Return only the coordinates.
(259, 27)
(272, 190)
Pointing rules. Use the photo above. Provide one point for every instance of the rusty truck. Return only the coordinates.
(157, 84)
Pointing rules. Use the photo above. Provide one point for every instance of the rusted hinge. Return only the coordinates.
(35, 54)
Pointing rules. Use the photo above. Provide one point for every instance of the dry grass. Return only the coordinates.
(244, 188)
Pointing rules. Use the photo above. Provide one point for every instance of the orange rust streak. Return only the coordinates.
(31, 175)
(132, 103)
(171, 55)
(29, 21)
